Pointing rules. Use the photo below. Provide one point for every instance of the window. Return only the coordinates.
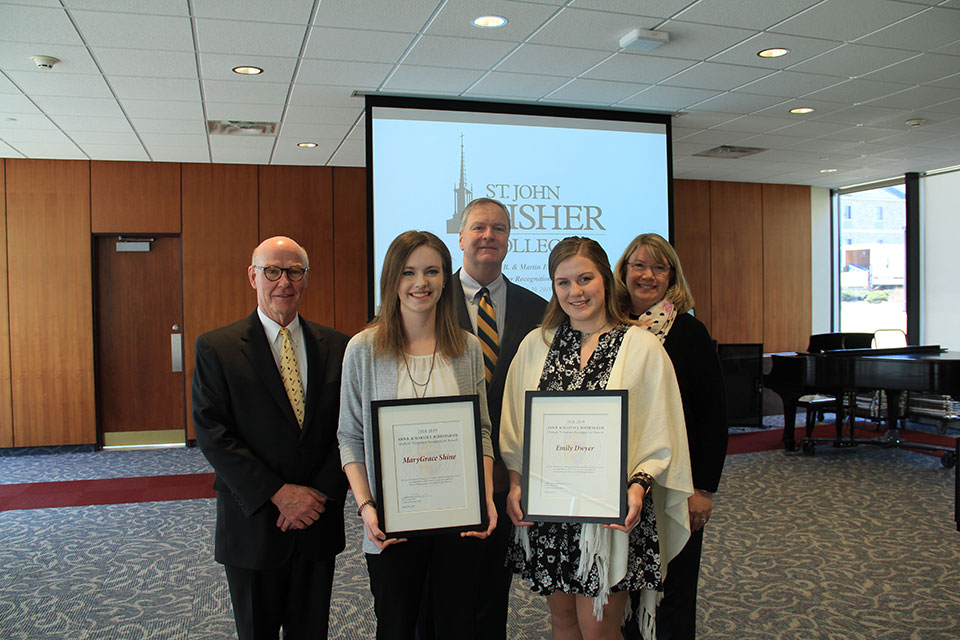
(871, 256)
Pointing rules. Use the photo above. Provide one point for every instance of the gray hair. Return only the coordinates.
(473, 204)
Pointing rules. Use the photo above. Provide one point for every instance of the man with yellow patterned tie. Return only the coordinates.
(266, 399)
(501, 313)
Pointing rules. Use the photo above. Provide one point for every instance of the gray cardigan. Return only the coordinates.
(366, 378)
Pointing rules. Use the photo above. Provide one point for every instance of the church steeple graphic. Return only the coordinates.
(461, 193)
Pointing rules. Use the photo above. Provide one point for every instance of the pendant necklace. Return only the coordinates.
(419, 385)
(586, 336)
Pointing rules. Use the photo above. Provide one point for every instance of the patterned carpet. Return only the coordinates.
(846, 544)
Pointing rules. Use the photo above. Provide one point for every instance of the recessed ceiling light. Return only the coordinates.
(248, 71)
(802, 110)
(828, 170)
(773, 53)
(489, 22)
(306, 145)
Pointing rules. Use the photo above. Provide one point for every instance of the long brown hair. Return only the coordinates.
(391, 338)
(678, 292)
(590, 249)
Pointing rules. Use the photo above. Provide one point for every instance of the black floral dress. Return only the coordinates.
(555, 547)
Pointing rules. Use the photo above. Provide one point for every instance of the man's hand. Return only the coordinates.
(299, 506)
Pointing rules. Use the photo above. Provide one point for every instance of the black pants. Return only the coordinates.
(677, 613)
(398, 575)
(295, 596)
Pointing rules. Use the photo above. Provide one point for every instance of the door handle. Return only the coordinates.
(176, 351)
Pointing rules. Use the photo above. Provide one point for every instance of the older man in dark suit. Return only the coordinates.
(478, 286)
(265, 407)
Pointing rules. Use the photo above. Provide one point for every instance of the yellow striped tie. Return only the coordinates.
(487, 332)
(290, 373)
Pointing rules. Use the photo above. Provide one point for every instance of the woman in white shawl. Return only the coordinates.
(585, 343)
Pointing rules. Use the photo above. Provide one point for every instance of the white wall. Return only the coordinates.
(940, 278)
(820, 259)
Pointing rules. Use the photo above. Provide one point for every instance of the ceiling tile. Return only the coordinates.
(461, 53)
(852, 60)
(314, 132)
(47, 136)
(592, 29)
(456, 19)
(934, 27)
(168, 109)
(15, 56)
(234, 148)
(918, 98)
(658, 9)
(846, 20)
(288, 152)
(135, 31)
(550, 60)
(440, 80)
(356, 75)
(148, 63)
(115, 152)
(53, 150)
(598, 92)
(755, 14)
(242, 38)
(36, 25)
(349, 154)
(289, 11)
(49, 83)
(24, 121)
(83, 138)
(219, 66)
(6, 151)
(789, 84)
(324, 115)
(669, 98)
(244, 111)
(811, 129)
(699, 41)
(156, 88)
(55, 105)
(738, 102)
(377, 15)
(631, 67)
(820, 108)
(856, 91)
(950, 81)
(157, 7)
(146, 126)
(719, 77)
(179, 154)
(95, 124)
(800, 49)
(923, 68)
(515, 85)
(15, 104)
(356, 44)
(323, 95)
(755, 124)
(240, 91)
(174, 140)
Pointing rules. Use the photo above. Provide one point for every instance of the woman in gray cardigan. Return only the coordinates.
(413, 349)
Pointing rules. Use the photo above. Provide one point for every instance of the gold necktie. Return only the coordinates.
(290, 373)
(487, 332)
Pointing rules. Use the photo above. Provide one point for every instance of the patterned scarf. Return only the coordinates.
(658, 319)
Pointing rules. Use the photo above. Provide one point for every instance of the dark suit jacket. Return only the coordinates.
(524, 312)
(247, 430)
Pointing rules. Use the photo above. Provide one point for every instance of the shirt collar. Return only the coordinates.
(272, 329)
(471, 287)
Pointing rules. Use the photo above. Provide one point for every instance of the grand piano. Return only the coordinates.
(919, 368)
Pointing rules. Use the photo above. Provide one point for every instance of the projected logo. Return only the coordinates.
(461, 195)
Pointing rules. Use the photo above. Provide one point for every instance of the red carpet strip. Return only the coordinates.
(75, 493)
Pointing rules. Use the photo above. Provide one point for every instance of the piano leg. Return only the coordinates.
(789, 422)
(892, 437)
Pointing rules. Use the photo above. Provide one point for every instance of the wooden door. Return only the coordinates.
(139, 318)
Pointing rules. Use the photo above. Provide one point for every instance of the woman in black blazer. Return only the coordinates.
(657, 297)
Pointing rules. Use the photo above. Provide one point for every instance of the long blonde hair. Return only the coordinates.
(391, 338)
(678, 292)
(590, 249)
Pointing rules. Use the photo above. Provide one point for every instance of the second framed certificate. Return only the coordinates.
(428, 462)
(575, 456)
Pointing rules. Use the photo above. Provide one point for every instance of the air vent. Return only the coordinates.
(241, 128)
(728, 151)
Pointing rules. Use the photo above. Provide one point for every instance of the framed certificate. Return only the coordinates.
(428, 465)
(575, 456)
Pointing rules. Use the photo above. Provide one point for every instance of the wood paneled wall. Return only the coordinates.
(691, 233)
(220, 231)
(51, 309)
(298, 202)
(744, 248)
(135, 197)
(6, 410)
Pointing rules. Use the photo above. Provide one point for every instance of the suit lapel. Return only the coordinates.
(257, 351)
(463, 316)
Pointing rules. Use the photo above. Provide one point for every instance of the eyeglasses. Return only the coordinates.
(658, 270)
(271, 273)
